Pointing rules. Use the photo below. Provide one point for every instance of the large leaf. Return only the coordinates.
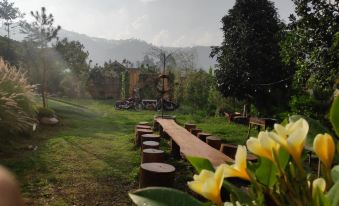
(240, 195)
(200, 163)
(162, 196)
(332, 195)
(266, 173)
(334, 115)
(315, 127)
(335, 173)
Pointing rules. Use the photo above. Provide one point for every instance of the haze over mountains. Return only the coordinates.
(101, 50)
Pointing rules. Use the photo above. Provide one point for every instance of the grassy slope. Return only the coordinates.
(89, 158)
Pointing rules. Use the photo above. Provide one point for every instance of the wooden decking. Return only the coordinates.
(190, 145)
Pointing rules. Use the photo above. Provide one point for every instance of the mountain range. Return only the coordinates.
(102, 50)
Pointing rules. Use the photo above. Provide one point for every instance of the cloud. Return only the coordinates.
(162, 38)
(147, 1)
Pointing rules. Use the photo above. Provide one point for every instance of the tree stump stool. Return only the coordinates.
(202, 136)
(143, 127)
(214, 142)
(152, 155)
(150, 137)
(195, 131)
(156, 174)
(229, 150)
(138, 133)
(190, 126)
(143, 123)
(150, 145)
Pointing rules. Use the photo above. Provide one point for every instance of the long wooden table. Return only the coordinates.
(190, 145)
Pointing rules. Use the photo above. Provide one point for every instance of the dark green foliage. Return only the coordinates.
(45, 112)
(75, 64)
(249, 66)
(196, 89)
(41, 31)
(311, 44)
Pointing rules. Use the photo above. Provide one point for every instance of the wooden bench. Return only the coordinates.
(190, 145)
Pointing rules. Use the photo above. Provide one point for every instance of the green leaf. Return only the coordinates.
(200, 163)
(240, 195)
(334, 115)
(266, 172)
(162, 196)
(332, 195)
(335, 173)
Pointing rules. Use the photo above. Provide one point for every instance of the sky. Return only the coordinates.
(175, 23)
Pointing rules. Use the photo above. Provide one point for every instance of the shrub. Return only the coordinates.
(45, 112)
(16, 101)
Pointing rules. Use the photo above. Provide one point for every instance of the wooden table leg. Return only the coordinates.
(249, 130)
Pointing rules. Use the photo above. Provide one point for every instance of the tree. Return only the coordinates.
(9, 14)
(75, 63)
(249, 63)
(42, 32)
(309, 44)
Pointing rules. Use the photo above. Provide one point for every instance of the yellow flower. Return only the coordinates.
(208, 184)
(238, 169)
(318, 184)
(262, 146)
(324, 147)
(292, 137)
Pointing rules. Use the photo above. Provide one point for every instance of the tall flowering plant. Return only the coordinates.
(280, 177)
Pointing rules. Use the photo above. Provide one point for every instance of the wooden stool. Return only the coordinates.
(190, 126)
(202, 136)
(156, 174)
(150, 145)
(214, 142)
(150, 137)
(144, 123)
(195, 131)
(231, 149)
(138, 133)
(142, 127)
(152, 155)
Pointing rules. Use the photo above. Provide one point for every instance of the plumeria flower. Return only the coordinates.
(324, 147)
(292, 137)
(263, 146)
(208, 184)
(318, 184)
(238, 169)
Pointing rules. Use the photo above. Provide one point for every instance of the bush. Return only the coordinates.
(45, 112)
(16, 101)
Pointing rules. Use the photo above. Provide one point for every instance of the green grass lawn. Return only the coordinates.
(89, 158)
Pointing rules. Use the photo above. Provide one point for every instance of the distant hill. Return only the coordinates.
(102, 50)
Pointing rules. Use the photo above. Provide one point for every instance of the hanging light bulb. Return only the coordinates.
(269, 90)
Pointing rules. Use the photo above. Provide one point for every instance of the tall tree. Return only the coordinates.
(249, 63)
(42, 32)
(9, 14)
(75, 63)
(309, 44)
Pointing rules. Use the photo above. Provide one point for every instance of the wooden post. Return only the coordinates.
(150, 145)
(202, 136)
(214, 142)
(150, 137)
(138, 133)
(175, 150)
(189, 126)
(142, 127)
(156, 174)
(144, 123)
(152, 155)
(195, 131)
(229, 150)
